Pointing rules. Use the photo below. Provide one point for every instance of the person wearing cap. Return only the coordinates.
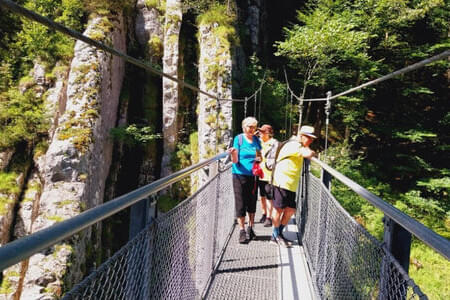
(268, 144)
(286, 179)
(245, 151)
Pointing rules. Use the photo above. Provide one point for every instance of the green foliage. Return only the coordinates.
(193, 142)
(6, 286)
(325, 38)
(36, 41)
(430, 271)
(107, 6)
(134, 135)
(220, 15)
(8, 184)
(5, 77)
(22, 118)
(156, 46)
(8, 187)
(56, 219)
(201, 6)
(166, 203)
(414, 135)
(273, 105)
(160, 5)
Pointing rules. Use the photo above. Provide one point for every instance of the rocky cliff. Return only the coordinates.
(68, 172)
(71, 175)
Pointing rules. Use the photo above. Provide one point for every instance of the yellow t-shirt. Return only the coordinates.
(265, 148)
(289, 166)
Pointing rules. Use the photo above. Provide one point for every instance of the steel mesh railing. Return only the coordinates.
(345, 261)
(175, 256)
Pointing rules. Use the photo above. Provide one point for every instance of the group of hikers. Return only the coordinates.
(261, 162)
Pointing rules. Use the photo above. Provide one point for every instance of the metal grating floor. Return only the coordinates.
(248, 271)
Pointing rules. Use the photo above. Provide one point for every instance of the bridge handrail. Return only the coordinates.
(20, 249)
(426, 235)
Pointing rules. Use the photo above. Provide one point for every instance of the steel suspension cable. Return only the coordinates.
(388, 76)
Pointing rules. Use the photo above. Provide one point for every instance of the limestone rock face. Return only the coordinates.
(170, 88)
(28, 206)
(56, 99)
(150, 33)
(75, 167)
(5, 157)
(149, 29)
(214, 121)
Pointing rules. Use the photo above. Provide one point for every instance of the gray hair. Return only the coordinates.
(249, 121)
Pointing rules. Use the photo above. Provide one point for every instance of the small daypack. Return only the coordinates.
(269, 187)
(270, 156)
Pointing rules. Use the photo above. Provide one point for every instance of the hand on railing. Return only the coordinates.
(234, 154)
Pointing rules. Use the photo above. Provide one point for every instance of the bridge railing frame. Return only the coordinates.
(395, 220)
(21, 249)
(399, 227)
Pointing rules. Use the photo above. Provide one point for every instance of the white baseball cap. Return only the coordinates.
(307, 130)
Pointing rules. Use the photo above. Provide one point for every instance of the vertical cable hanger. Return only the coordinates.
(285, 111)
(254, 106)
(260, 100)
(245, 107)
(327, 114)
(290, 116)
(300, 112)
(217, 125)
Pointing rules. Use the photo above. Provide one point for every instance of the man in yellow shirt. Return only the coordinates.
(286, 178)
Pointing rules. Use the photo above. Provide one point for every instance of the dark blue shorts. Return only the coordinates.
(245, 190)
(264, 189)
(283, 198)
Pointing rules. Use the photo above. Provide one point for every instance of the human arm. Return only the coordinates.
(306, 152)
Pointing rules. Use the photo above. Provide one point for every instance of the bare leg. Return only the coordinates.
(251, 219)
(269, 208)
(288, 212)
(263, 205)
(277, 217)
(241, 222)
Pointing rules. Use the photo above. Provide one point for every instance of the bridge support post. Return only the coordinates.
(303, 200)
(326, 179)
(140, 216)
(398, 243)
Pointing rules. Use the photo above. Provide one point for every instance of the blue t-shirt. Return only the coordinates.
(247, 154)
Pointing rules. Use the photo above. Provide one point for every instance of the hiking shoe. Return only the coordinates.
(268, 222)
(282, 242)
(250, 233)
(263, 219)
(242, 237)
(287, 240)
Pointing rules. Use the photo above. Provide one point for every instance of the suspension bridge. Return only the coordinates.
(191, 252)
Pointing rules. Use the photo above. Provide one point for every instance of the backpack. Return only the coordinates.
(271, 155)
(269, 187)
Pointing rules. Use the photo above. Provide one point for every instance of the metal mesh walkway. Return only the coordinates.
(248, 271)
